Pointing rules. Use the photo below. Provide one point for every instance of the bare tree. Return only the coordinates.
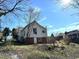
(69, 3)
(75, 4)
(32, 15)
(10, 6)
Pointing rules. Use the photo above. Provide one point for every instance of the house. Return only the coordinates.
(73, 36)
(35, 31)
(18, 30)
(60, 36)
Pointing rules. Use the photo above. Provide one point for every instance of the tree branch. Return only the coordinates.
(2, 1)
(8, 11)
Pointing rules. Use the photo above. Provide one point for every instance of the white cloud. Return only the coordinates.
(36, 9)
(49, 29)
(70, 27)
(43, 19)
(50, 26)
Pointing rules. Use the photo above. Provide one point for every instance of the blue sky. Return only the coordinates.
(53, 15)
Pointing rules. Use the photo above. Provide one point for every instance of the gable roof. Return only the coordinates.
(32, 23)
(72, 32)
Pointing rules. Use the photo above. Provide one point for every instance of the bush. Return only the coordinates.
(51, 47)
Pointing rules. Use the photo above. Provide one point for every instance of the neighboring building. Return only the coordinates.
(18, 30)
(35, 31)
(60, 36)
(73, 36)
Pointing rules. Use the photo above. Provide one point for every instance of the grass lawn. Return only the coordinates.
(39, 52)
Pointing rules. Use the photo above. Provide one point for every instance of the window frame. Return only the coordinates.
(34, 30)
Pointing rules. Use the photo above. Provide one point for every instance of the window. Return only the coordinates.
(27, 34)
(35, 30)
(24, 33)
(43, 31)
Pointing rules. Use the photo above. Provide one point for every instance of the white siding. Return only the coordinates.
(39, 31)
